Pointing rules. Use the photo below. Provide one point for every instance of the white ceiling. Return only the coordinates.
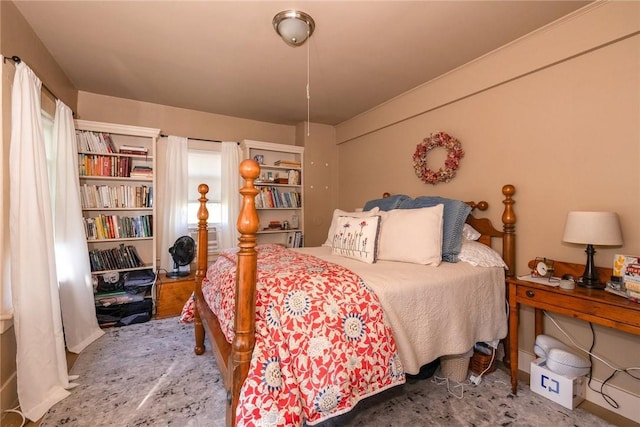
(224, 56)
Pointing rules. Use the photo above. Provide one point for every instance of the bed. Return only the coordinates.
(397, 335)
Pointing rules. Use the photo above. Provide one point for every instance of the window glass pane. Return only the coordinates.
(205, 168)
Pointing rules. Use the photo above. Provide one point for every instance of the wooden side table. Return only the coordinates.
(173, 294)
(592, 305)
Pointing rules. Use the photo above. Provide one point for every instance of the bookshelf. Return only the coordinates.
(280, 203)
(116, 168)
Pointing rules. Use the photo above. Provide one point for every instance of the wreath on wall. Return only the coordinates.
(454, 154)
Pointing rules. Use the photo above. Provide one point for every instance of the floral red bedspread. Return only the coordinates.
(322, 343)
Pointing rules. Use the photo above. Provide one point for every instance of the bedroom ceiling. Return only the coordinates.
(224, 56)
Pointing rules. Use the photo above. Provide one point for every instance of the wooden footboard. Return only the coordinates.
(233, 359)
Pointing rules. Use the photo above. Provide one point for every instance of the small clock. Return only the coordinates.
(542, 267)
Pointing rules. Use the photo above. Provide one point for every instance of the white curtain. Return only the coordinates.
(230, 194)
(175, 197)
(71, 251)
(41, 360)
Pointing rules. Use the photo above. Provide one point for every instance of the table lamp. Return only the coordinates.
(592, 228)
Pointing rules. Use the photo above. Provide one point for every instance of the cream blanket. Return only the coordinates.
(433, 311)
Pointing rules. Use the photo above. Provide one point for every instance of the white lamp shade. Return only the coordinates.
(293, 30)
(593, 228)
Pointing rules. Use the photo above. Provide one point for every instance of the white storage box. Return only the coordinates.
(568, 392)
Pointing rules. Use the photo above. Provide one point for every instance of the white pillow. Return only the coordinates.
(339, 212)
(356, 238)
(480, 255)
(470, 233)
(412, 235)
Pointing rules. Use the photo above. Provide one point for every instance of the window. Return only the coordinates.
(205, 168)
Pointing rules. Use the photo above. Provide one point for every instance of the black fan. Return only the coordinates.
(182, 252)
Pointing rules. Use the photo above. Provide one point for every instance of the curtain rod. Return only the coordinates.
(198, 139)
(17, 60)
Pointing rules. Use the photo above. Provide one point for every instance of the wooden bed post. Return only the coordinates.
(508, 252)
(201, 264)
(244, 321)
(509, 229)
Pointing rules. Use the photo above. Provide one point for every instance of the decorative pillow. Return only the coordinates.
(356, 237)
(386, 203)
(412, 235)
(470, 233)
(480, 255)
(455, 215)
(339, 212)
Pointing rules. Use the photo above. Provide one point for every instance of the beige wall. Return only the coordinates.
(180, 121)
(320, 179)
(565, 130)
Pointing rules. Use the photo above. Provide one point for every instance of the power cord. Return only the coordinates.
(16, 410)
(475, 380)
(610, 400)
(451, 388)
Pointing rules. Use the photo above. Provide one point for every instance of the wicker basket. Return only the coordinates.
(480, 362)
(455, 367)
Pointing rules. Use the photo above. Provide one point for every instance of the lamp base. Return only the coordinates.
(589, 283)
(590, 278)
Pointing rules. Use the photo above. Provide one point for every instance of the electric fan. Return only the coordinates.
(182, 252)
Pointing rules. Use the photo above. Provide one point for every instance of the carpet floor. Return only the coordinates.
(148, 375)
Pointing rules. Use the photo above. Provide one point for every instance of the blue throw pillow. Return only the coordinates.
(386, 203)
(455, 215)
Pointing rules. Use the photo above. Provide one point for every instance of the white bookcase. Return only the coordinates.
(117, 172)
(280, 204)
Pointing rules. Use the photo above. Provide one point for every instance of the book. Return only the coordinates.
(631, 285)
(290, 163)
(633, 296)
(131, 149)
(616, 292)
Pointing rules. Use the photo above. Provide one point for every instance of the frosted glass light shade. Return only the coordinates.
(595, 228)
(293, 26)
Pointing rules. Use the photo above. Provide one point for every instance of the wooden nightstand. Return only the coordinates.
(591, 305)
(173, 294)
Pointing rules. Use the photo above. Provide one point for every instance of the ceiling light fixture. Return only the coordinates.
(293, 26)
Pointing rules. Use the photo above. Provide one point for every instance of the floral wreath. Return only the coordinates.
(454, 154)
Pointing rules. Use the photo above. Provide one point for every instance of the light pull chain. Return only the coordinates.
(308, 95)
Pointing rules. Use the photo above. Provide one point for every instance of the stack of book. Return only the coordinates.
(118, 258)
(141, 172)
(134, 150)
(271, 197)
(118, 227)
(626, 271)
(294, 239)
(99, 165)
(631, 280)
(116, 196)
(288, 163)
(94, 142)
